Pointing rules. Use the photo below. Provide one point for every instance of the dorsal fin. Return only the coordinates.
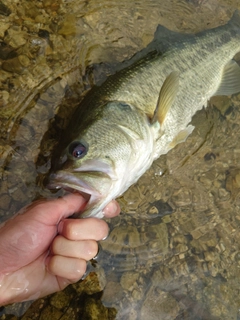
(166, 97)
(230, 82)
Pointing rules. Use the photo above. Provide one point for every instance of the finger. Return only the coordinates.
(69, 268)
(52, 211)
(85, 249)
(112, 209)
(83, 229)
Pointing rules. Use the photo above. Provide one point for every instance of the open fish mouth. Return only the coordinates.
(93, 178)
(92, 185)
(70, 182)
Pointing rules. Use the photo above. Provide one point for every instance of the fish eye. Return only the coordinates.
(124, 106)
(77, 150)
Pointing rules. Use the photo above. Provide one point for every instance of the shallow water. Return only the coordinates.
(174, 252)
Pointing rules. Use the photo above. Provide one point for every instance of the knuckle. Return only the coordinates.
(104, 230)
(70, 232)
(52, 265)
(55, 244)
(80, 267)
(92, 249)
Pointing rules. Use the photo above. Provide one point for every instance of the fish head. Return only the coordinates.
(96, 162)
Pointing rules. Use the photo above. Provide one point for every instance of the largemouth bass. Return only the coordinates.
(143, 111)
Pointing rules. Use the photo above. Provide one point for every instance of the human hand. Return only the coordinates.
(42, 252)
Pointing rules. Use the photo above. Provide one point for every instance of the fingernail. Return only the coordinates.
(105, 238)
(88, 270)
(110, 209)
(97, 255)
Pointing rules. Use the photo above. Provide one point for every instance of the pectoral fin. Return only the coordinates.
(166, 97)
(230, 82)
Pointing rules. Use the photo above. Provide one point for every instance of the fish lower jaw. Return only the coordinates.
(73, 189)
(87, 193)
(92, 197)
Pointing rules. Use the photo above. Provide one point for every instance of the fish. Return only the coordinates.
(144, 110)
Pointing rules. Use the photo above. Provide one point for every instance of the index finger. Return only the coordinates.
(83, 229)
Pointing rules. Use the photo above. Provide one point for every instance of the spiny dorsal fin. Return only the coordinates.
(230, 82)
(166, 97)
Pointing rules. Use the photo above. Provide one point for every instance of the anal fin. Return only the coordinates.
(230, 82)
(181, 136)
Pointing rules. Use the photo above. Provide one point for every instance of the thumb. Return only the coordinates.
(50, 212)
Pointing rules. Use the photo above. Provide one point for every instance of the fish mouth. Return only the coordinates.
(94, 180)
(69, 182)
(92, 185)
